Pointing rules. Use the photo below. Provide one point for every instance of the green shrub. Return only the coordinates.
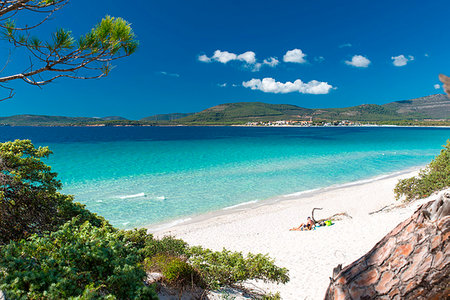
(29, 201)
(435, 177)
(148, 246)
(75, 261)
(271, 296)
(227, 268)
(175, 270)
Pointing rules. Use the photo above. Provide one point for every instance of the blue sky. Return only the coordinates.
(197, 54)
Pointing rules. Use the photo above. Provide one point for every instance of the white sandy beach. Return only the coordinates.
(310, 256)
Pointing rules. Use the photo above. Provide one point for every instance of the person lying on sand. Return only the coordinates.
(308, 226)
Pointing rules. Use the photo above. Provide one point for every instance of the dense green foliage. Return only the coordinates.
(53, 248)
(77, 260)
(176, 270)
(29, 198)
(435, 177)
(148, 246)
(222, 268)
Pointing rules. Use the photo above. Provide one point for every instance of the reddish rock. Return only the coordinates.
(404, 250)
(435, 242)
(387, 281)
(394, 293)
(425, 265)
(398, 262)
(382, 253)
(367, 278)
(438, 259)
(339, 294)
(411, 262)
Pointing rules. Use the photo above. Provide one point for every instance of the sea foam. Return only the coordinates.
(132, 196)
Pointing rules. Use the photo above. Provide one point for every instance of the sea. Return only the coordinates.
(139, 176)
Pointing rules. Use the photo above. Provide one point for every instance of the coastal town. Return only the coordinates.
(301, 123)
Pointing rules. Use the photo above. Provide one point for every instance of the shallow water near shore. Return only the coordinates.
(136, 176)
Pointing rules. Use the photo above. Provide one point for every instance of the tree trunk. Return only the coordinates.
(411, 262)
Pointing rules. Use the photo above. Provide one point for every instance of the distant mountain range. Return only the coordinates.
(430, 107)
(38, 120)
(434, 107)
(166, 117)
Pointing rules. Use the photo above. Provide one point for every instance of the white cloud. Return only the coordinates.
(294, 56)
(224, 56)
(222, 84)
(256, 67)
(269, 85)
(345, 45)
(169, 74)
(271, 61)
(358, 61)
(437, 86)
(248, 57)
(319, 58)
(427, 55)
(204, 58)
(401, 60)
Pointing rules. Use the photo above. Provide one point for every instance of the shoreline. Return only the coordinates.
(252, 204)
(310, 256)
(237, 125)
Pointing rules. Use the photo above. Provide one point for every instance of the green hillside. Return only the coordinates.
(430, 107)
(365, 112)
(113, 118)
(408, 112)
(243, 112)
(433, 107)
(36, 120)
(166, 117)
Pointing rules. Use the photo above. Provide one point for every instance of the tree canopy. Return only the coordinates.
(29, 198)
(62, 55)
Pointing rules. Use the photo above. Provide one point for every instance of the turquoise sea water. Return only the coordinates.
(136, 176)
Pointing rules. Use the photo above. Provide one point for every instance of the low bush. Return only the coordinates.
(148, 246)
(227, 268)
(271, 296)
(75, 261)
(175, 270)
(435, 177)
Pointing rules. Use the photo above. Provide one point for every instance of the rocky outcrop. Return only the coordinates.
(446, 81)
(411, 262)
